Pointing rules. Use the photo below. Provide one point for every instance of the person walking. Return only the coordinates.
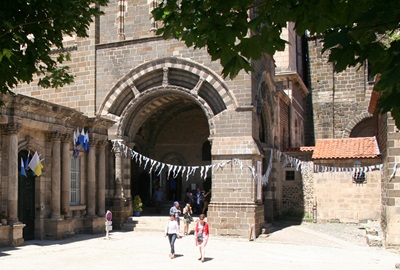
(176, 211)
(202, 233)
(172, 231)
(187, 218)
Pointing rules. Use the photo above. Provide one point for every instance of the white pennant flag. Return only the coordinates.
(162, 167)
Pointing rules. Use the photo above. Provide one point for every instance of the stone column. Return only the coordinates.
(101, 185)
(65, 170)
(118, 174)
(12, 130)
(91, 180)
(55, 137)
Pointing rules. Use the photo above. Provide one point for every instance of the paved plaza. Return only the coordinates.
(291, 247)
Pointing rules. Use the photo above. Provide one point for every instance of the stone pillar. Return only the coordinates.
(233, 189)
(91, 180)
(65, 170)
(101, 185)
(12, 130)
(119, 193)
(55, 137)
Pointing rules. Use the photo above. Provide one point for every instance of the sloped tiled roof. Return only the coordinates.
(363, 147)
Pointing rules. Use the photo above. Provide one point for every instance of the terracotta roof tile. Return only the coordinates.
(363, 147)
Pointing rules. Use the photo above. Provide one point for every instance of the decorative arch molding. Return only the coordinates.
(30, 145)
(169, 72)
(357, 119)
(264, 100)
(141, 108)
(174, 158)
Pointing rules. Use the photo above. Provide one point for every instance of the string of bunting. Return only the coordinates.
(186, 171)
(298, 164)
(173, 170)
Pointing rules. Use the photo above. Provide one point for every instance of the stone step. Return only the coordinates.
(374, 240)
(148, 223)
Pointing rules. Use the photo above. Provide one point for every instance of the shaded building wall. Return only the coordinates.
(337, 97)
(389, 142)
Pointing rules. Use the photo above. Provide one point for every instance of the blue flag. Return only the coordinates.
(23, 168)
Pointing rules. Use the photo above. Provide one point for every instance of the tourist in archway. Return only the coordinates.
(206, 202)
(187, 218)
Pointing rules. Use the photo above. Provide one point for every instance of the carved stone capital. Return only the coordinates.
(11, 128)
(101, 144)
(65, 138)
(53, 136)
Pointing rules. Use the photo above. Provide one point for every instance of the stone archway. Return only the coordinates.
(353, 123)
(167, 106)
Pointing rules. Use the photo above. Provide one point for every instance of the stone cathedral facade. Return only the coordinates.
(170, 104)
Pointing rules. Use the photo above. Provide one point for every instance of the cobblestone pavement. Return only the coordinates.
(306, 246)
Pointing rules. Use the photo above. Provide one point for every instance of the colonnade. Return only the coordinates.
(60, 173)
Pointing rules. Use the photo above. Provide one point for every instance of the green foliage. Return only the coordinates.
(236, 32)
(137, 204)
(31, 35)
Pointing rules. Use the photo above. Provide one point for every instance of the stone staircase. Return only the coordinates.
(145, 224)
(373, 234)
(151, 221)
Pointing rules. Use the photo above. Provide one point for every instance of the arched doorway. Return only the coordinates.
(168, 107)
(173, 133)
(26, 196)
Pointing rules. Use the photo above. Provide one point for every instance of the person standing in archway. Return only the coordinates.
(158, 197)
(176, 211)
(199, 202)
(187, 218)
(206, 202)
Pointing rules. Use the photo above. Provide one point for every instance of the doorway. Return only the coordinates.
(26, 196)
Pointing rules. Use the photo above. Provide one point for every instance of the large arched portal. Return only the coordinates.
(164, 110)
(171, 128)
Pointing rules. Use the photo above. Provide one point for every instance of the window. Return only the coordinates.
(289, 176)
(289, 172)
(75, 183)
(359, 178)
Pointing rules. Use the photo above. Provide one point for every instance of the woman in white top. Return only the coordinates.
(172, 231)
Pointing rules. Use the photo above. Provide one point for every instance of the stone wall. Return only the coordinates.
(339, 199)
(337, 97)
(79, 95)
(390, 185)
